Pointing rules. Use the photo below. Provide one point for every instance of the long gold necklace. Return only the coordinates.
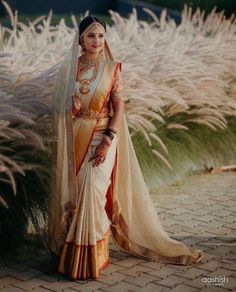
(84, 65)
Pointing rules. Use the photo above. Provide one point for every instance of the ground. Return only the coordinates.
(200, 212)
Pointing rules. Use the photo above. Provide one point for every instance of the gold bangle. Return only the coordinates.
(113, 129)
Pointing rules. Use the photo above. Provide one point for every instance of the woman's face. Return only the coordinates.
(94, 39)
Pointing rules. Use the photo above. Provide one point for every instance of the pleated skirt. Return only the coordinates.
(86, 249)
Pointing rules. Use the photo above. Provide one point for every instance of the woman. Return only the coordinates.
(97, 185)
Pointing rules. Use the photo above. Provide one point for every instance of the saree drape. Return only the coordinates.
(129, 212)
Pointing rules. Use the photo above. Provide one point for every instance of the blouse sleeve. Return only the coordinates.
(117, 89)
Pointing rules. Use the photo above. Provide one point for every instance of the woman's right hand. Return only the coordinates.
(101, 150)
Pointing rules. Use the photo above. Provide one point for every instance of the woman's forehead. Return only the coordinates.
(96, 29)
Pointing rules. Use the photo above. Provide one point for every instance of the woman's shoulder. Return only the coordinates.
(115, 63)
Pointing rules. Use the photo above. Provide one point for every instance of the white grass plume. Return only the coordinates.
(168, 70)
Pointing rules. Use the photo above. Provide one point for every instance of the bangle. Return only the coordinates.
(109, 134)
(113, 129)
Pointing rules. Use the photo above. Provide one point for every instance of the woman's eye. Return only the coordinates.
(92, 36)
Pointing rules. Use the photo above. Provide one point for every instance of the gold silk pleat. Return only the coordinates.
(86, 248)
(84, 261)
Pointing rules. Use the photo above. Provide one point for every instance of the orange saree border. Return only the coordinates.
(84, 261)
(120, 232)
(109, 194)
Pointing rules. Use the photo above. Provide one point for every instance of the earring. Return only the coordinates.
(82, 45)
(101, 54)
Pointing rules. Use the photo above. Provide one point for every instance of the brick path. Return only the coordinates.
(200, 212)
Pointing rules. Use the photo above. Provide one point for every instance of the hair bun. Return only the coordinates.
(87, 21)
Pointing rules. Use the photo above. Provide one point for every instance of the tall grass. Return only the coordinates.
(180, 91)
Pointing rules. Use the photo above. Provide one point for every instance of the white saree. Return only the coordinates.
(85, 206)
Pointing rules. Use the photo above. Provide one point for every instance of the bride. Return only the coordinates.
(97, 186)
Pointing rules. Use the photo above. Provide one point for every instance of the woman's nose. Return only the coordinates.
(96, 39)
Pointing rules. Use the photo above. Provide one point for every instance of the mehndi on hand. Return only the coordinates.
(101, 150)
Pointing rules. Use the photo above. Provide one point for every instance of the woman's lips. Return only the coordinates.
(96, 46)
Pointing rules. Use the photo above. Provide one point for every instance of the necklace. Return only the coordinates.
(84, 65)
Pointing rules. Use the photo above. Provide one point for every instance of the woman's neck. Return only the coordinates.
(89, 55)
(94, 56)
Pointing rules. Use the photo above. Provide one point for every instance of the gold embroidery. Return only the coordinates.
(117, 90)
(89, 114)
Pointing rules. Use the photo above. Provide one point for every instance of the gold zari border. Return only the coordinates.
(84, 261)
(120, 234)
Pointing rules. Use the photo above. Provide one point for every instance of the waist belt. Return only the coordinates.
(88, 114)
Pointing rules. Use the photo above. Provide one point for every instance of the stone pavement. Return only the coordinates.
(200, 212)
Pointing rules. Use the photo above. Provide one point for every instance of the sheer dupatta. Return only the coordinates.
(63, 178)
(134, 223)
(135, 226)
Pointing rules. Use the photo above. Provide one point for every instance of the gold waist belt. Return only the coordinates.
(88, 114)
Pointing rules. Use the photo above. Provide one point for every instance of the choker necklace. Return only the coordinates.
(84, 65)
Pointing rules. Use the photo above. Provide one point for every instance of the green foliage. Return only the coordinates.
(198, 149)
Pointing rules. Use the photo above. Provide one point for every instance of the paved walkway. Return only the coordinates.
(201, 212)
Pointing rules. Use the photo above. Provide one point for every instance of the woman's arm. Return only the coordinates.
(117, 100)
